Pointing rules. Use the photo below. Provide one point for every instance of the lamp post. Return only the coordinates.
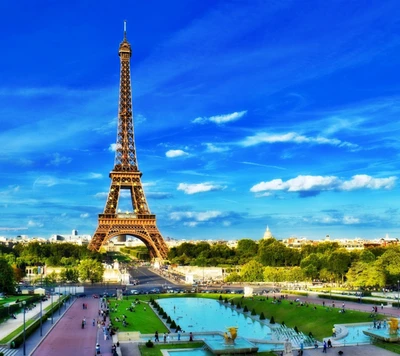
(23, 303)
(59, 299)
(398, 297)
(52, 311)
(41, 297)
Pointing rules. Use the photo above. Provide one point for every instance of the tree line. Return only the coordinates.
(77, 262)
(271, 261)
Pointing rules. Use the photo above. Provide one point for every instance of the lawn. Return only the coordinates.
(313, 318)
(142, 319)
(13, 298)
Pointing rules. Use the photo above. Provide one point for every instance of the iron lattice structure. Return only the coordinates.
(126, 176)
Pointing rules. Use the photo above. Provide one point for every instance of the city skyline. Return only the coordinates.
(246, 115)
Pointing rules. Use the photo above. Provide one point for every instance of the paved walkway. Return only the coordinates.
(68, 338)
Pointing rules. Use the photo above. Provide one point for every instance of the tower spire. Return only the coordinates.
(125, 30)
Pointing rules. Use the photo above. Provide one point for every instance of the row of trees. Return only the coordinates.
(77, 262)
(270, 260)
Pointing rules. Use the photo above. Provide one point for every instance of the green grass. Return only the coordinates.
(319, 321)
(390, 346)
(143, 319)
(156, 349)
(13, 298)
(17, 331)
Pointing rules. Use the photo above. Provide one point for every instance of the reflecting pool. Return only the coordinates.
(200, 314)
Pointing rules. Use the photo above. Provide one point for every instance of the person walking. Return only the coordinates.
(97, 349)
(324, 347)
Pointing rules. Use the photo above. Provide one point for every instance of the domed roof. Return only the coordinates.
(267, 234)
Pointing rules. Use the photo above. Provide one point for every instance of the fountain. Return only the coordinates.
(230, 339)
(231, 344)
(384, 334)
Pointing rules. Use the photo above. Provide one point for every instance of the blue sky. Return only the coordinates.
(247, 114)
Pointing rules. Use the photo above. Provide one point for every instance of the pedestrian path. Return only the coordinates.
(69, 338)
(8, 352)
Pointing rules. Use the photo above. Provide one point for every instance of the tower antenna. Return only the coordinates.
(124, 29)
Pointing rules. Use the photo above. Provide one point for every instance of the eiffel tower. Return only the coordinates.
(126, 176)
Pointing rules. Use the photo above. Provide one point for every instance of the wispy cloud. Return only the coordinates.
(59, 159)
(196, 216)
(32, 223)
(220, 119)
(92, 175)
(312, 185)
(262, 165)
(199, 188)
(212, 148)
(158, 195)
(176, 153)
(292, 137)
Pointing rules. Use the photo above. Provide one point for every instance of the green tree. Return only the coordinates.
(339, 262)
(246, 249)
(7, 280)
(367, 256)
(252, 271)
(274, 253)
(90, 270)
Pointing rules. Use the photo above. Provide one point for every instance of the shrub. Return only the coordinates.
(173, 325)
(220, 297)
(239, 306)
(226, 300)
(262, 316)
(272, 321)
(169, 320)
(283, 323)
(245, 309)
(149, 343)
(253, 312)
(295, 329)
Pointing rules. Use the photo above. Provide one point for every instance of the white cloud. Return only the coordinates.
(210, 147)
(32, 223)
(94, 175)
(113, 147)
(198, 188)
(263, 137)
(101, 195)
(13, 228)
(175, 153)
(365, 181)
(321, 183)
(220, 119)
(350, 220)
(84, 215)
(191, 223)
(195, 216)
(58, 159)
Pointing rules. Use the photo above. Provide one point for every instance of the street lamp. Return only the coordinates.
(23, 303)
(59, 299)
(398, 297)
(52, 311)
(41, 297)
